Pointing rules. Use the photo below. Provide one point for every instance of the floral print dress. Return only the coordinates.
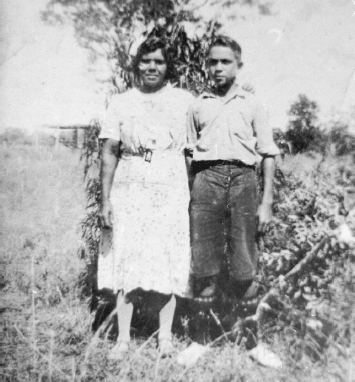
(150, 196)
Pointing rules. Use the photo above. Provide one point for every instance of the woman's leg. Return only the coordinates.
(166, 317)
(124, 316)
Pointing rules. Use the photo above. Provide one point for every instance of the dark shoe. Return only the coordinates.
(252, 291)
(241, 288)
(209, 287)
(210, 291)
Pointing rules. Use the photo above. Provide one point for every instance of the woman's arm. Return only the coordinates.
(192, 137)
(110, 154)
(190, 175)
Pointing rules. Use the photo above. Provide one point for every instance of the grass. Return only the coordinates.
(45, 321)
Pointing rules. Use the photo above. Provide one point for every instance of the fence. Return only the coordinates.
(73, 136)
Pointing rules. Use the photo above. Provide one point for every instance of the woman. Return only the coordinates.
(145, 193)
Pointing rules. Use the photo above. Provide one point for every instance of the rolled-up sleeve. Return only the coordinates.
(111, 121)
(265, 145)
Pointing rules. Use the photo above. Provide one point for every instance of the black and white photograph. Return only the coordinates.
(177, 190)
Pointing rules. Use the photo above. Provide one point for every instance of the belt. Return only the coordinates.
(204, 164)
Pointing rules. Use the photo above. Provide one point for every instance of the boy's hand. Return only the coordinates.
(264, 215)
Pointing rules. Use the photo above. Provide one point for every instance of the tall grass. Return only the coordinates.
(43, 201)
(46, 323)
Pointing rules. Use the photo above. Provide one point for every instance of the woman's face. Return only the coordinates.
(152, 70)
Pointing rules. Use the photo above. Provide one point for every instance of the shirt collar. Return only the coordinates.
(238, 92)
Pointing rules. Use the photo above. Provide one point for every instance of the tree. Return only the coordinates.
(340, 139)
(283, 144)
(108, 28)
(302, 130)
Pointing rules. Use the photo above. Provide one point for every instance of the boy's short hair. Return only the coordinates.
(228, 42)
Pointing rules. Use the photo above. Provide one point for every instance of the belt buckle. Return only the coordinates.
(148, 155)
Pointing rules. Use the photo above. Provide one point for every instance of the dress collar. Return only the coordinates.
(166, 87)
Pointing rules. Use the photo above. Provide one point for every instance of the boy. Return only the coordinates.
(227, 129)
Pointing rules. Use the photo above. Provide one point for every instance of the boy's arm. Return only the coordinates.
(267, 148)
(265, 208)
(265, 145)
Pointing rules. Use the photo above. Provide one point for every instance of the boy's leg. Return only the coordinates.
(207, 228)
(243, 254)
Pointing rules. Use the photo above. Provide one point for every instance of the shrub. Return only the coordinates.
(302, 130)
(342, 140)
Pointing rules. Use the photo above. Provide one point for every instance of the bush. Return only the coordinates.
(341, 139)
(308, 256)
(15, 135)
(302, 130)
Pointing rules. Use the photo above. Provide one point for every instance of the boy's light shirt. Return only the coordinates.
(234, 128)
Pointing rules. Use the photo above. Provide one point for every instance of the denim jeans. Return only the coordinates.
(223, 208)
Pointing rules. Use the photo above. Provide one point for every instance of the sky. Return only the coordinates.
(305, 46)
(44, 72)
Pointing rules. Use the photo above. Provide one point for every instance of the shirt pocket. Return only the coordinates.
(209, 113)
(242, 123)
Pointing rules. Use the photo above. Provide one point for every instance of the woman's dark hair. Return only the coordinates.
(228, 42)
(151, 45)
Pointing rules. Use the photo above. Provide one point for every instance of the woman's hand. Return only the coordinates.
(248, 87)
(106, 214)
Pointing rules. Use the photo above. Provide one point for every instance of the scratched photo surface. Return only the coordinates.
(73, 254)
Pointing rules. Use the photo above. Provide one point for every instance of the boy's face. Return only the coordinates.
(223, 65)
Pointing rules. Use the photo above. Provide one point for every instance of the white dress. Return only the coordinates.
(151, 246)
